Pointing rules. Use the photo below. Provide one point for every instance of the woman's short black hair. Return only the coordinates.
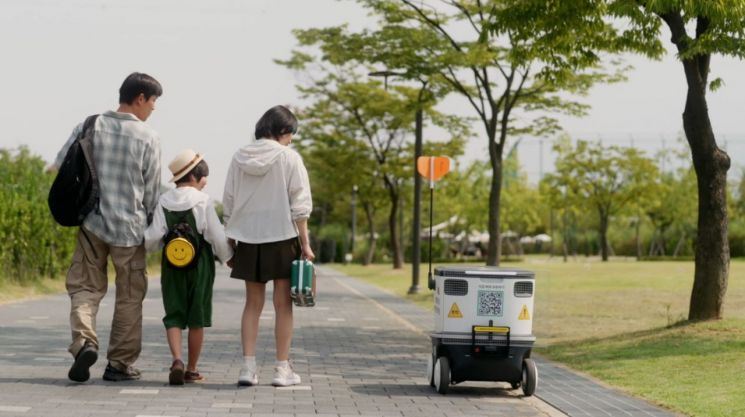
(199, 171)
(276, 122)
(138, 83)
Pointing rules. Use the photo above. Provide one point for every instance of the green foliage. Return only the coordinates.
(601, 180)
(358, 131)
(716, 84)
(737, 239)
(512, 85)
(521, 203)
(581, 29)
(721, 23)
(333, 242)
(671, 209)
(32, 245)
(460, 193)
(740, 204)
(575, 34)
(514, 61)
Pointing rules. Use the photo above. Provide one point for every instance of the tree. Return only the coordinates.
(502, 75)
(333, 192)
(365, 121)
(521, 203)
(699, 29)
(376, 120)
(601, 179)
(672, 207)
(565, 216)
(740, 206)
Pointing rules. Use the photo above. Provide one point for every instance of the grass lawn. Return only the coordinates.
(621, 322)
(15, 291)
(11, 291)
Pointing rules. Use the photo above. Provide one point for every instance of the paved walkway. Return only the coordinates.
(564, 390)
(360, 351)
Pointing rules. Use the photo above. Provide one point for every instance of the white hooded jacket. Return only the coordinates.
(208, 225)
(266, 190)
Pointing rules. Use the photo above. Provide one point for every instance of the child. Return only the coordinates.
(187, 292)
(267, 203)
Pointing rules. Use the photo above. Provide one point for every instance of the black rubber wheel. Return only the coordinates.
(515, 385)
(442, 374)
(530, 377)
(431, 370)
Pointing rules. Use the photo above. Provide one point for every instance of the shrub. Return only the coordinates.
(32, 245)
(737, 239)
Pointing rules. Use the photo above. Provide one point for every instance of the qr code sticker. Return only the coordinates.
(490, 303)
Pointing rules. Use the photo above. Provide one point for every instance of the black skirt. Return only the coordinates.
(263, 262)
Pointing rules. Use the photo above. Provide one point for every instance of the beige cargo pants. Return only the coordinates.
(87, 283)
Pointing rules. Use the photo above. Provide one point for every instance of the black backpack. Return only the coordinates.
(75, 191)
(181, 244)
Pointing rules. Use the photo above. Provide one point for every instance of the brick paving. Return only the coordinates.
(564, 390)
(360, 352)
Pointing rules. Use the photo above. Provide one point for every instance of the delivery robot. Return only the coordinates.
(483, 327)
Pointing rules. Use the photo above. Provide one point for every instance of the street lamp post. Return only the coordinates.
(416, 240)
(354, 219)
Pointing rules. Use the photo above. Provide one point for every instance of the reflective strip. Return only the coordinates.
(491, 329)
(301, 264)
(492, 273)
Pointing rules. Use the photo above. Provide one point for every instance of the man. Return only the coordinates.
(126, 153)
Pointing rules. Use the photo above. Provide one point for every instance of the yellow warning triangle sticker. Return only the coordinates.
(455, 312)
(524, 313)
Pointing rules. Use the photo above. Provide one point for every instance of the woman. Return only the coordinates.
(267, 203)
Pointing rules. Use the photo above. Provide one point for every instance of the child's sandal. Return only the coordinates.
(176, 375)
(192, 376)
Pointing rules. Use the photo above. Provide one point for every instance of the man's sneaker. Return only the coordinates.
(87, 356)
(247, 377)
(176, 374)
(284, 376)
(113, 374)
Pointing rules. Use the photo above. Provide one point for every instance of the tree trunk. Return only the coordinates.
(398, 258)
(603, 232)
(494, 250)
(371, 240)
(565, 250)
(679, 245)
(638, 240)
(318, 250)
(711, 165)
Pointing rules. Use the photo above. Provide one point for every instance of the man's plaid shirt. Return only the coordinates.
(126, 152)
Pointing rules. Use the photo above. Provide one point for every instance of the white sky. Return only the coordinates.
(63, 60)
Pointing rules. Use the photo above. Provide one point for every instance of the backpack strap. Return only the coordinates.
(177, 217)
(86, 145)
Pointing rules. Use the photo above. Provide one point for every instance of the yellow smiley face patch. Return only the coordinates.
(180, 252)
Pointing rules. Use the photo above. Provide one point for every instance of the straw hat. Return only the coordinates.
(184, 162)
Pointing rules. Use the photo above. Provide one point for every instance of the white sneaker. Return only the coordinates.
(247, 377)
(284, 376)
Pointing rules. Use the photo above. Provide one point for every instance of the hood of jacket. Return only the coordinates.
(257, 157)
(182, 198)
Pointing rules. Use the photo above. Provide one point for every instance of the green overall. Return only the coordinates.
(187, 293)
